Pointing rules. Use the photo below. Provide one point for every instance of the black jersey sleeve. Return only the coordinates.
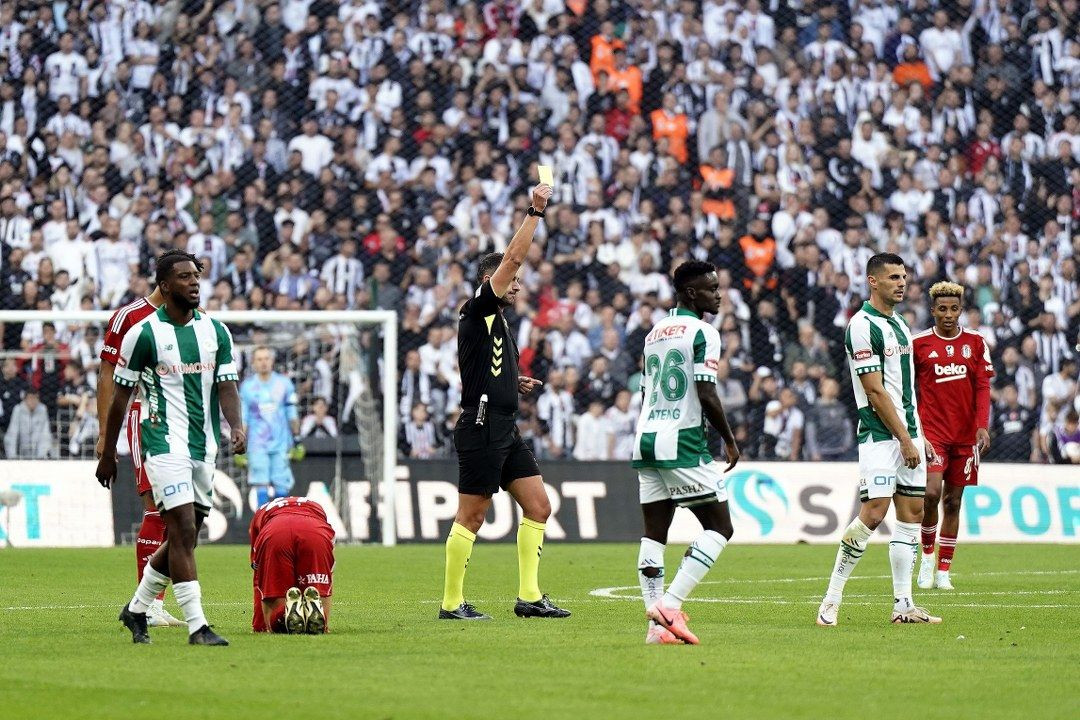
(483, 303)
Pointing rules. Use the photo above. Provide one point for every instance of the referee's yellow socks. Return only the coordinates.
(530, 545)
(458, 549)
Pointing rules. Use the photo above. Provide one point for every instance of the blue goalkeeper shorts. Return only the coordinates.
(270, 469)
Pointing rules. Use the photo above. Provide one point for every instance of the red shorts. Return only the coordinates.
(958, 464)
(294, 551)
(142, 482)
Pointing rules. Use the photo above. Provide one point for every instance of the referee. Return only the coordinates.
(491, 453)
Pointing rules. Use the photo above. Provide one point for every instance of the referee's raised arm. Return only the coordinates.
(518, 248)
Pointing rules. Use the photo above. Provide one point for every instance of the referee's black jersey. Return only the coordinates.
(487, 355)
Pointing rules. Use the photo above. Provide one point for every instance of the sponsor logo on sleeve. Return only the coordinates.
(712, 364)
(863, 354)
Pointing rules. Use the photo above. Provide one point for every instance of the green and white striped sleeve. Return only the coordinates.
(136, 353)
(706, 353)
(226, 364)
(865, 345)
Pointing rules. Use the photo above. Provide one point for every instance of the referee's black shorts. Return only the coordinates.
(492, 455)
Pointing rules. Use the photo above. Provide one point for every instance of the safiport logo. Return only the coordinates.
(758, 495)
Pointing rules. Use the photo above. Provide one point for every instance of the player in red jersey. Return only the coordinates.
(952, 379)
(152, 530)
(292, 547)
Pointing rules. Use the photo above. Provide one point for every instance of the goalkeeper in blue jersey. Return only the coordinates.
(268, 400)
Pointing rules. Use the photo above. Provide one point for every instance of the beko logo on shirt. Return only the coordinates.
(953, 369)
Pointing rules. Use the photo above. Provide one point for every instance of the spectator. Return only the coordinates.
(595, 438)
(45, 367)
(622, 421)
(13, 386)
(1013, 425)
(1061, 387)
(1065, 442)
(555, 408)
(670, 124)
(419, 439)
(318, 423)
(829, 432)
(28, 436)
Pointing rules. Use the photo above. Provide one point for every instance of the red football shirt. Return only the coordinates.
(284, 506)
(121, 321)
(952, 380)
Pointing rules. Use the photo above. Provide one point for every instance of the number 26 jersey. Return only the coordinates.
(680, 350)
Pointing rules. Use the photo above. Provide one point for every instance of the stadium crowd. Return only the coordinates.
(365, 154)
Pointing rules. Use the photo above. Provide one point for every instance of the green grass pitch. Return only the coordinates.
(64, 655)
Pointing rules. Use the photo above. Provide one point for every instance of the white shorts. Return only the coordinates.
(686, 486)
(177, 480)
(882, 472)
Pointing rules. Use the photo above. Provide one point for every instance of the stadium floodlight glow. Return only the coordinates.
(386, 320)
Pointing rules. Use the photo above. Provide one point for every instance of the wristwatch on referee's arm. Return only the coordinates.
(534, 212)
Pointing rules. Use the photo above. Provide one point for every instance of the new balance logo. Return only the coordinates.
(933, 354)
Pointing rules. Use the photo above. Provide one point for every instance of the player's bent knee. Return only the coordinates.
(873, 518)
(471, 520)
(539, 511)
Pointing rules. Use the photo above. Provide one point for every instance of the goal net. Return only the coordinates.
(342, 363)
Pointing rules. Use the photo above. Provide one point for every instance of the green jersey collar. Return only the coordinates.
(871, 310)
(682, 311)
(164, 316)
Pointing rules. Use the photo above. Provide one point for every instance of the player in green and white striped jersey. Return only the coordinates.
(183, 362)
(892, 450)
(675, 467)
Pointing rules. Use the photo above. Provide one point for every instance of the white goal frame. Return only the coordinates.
(386, 319)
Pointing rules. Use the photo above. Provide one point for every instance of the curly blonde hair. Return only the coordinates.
(946, 288)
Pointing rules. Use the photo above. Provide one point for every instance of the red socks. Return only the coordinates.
(929, 533)
(277, 620)
(151, 536)
(946, 549)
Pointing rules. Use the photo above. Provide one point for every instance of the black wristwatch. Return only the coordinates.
(534, 212)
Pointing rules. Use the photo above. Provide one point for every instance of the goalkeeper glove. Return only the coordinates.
(297, 452)
(240, 460)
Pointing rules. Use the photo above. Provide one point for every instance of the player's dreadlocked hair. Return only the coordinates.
(689, 271)
(946, 288)
(168, 259)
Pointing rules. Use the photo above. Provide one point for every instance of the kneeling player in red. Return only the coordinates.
(953, 371)
(292, 554)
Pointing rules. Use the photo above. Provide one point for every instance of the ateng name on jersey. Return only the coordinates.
(673, 414)
(163, 369)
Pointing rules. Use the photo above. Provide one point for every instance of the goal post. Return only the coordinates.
(326, 322)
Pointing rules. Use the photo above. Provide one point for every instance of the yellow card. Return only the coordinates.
(546, 177)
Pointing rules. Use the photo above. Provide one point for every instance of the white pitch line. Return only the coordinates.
(608, 592)
(769, 601)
